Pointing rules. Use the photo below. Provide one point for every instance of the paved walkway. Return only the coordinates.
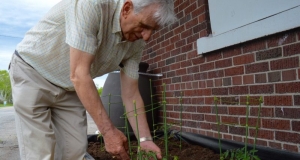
(8, 140)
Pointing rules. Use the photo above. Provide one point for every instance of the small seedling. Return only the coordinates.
(240, 153)
(165, 127)
(102, 148)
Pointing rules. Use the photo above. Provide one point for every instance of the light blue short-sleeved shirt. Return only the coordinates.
(92, 26)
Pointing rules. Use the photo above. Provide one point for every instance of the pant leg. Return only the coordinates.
(70, 126)
(51, 122)
(32, 101)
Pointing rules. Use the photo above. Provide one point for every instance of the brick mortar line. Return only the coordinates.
(253, 52)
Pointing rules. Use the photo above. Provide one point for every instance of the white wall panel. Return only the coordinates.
(237, 21)
(226, 15)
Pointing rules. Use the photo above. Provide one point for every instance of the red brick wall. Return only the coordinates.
(267, 67)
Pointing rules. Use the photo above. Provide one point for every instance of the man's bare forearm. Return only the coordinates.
(141, 116)
(131, 95)
(89, 97)
(85, 88)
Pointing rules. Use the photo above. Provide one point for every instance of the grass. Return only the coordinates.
(7, 105)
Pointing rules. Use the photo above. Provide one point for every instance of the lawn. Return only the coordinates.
(7, 105)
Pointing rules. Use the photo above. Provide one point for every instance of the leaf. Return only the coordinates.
(232, 155)
(225, 154)
(256, 157)
(253, 151)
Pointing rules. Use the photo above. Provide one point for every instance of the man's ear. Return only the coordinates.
(127, 8)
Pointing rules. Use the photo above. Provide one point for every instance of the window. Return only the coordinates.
(237, 21)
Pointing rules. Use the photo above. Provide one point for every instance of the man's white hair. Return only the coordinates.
(165, 13)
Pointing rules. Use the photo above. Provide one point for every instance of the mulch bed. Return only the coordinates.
(187, 152)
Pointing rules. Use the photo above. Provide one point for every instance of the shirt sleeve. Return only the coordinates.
(82, 24)
(131, 65)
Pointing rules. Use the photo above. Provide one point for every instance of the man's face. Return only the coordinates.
(137, 26)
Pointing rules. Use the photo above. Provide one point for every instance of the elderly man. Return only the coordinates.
(52, 73)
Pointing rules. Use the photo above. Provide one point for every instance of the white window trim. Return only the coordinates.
(277, 23)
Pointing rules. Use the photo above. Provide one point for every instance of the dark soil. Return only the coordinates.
(187, 152)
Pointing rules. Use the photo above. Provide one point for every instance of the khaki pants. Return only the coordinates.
(50, 122)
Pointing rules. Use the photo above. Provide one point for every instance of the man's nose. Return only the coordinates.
(146, 34)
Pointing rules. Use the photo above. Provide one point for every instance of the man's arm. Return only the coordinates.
(130, 93)
(80, 63)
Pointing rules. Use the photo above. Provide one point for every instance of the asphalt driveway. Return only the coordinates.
(8, 140)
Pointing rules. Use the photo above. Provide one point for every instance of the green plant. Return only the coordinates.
(165, 121)
(148, 155)
(240, 153)
(99, 137)
(165, 127)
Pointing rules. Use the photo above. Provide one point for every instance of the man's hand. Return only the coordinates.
(116, 144)
(148, 146)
